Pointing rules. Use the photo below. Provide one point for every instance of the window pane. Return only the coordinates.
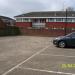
(59, 19)
(25, 20)
(69, 20)
(19, 19)
(51, 20)
(73, 20)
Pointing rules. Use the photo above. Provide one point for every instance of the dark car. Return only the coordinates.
(63, 41)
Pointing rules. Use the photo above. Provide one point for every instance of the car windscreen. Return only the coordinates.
(71, 35)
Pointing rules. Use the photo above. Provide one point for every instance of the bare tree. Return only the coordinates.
(70, 9)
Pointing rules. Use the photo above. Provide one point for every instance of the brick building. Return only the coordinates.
(2, 24)
(8, 21)
(7, 26)
(51, 23)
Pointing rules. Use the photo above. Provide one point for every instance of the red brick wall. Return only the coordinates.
(45, 32)
(23, 24)
(42, 32)
(48, 24)
(55, 24)
(59, 25)
(71, 25)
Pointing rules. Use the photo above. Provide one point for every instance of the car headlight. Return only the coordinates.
(57, 38)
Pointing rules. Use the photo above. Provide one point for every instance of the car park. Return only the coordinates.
(63, 41)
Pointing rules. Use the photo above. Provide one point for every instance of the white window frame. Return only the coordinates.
(58, 20)
(23, 20)
(51, 20)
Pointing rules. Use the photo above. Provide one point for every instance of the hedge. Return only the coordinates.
(9, 31)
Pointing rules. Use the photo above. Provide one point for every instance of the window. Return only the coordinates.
(39, 20)
(69, 20)
(59, 19)
(73, 20)
(38, 25)
(42, 20)
(25, 20)
(19, 19)
(22, 20)
(51, 20)
(71, 35)
(55, 20)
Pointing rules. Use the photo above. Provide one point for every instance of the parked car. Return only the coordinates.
(63, 41)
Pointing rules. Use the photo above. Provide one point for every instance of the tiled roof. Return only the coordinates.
(48, 14)
(4, 17)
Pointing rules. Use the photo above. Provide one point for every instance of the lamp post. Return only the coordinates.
(66, 22)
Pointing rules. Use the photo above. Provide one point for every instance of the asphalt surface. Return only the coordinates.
(28, 55)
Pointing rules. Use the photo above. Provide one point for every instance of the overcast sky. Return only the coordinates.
(12, 8)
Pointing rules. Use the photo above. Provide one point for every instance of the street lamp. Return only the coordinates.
(66, 22)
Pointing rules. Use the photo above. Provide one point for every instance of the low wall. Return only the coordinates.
(44, 32)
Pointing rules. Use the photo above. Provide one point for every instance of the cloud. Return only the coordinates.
(15, 7)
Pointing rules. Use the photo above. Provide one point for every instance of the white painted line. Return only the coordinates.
(57, 55)
(25, 60)
(47, 71)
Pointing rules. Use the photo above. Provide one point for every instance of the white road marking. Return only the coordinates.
(47, 71)
(57, 55)
(25, 60)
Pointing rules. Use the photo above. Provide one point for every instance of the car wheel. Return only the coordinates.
(62, 44)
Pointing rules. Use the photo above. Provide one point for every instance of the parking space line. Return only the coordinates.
(25, 60)
(47, 71)
(57, 55)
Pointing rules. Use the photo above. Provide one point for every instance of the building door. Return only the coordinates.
(38, 23)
